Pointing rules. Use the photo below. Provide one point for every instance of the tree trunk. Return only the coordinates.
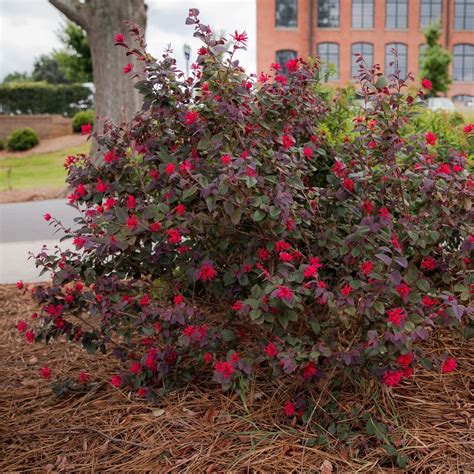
(115, 96)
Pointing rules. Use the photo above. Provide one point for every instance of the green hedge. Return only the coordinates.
(44, 98)
(22, 139)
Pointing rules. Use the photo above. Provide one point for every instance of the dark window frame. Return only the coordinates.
(366, 5)
(354, 64)
(328, 44)
(404, 55)
(331, 3)
(467, 73)
(282, 2)
(464, 15)
(397, 20)
(431, 4)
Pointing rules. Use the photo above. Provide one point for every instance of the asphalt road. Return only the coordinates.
(24, 222)
(23, 229)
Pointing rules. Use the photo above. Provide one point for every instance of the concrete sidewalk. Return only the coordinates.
(23, 229)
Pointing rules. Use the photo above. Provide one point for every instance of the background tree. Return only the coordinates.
(435, 60)
(75, 59)
(17, 77)
(47, 68)
(102, 20)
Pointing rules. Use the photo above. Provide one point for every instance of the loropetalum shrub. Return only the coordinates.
(205, 249)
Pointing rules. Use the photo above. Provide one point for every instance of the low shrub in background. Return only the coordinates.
(2, 145)
(44, 98)
(82, 118)
(213, 243)
(22, 139)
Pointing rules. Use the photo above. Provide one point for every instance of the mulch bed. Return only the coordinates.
(200, 429)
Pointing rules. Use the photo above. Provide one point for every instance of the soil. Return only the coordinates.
(48, 145)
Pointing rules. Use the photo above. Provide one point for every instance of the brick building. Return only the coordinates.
(336, 29)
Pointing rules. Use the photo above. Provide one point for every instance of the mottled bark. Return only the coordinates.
(115, 96)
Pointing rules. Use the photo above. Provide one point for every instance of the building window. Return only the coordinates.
(366, 50)
(362, 14)
(463, 99)
(396, 14)
(421, 55)
(283, 56)
(328, 13)
(329, 53)
(286, 13)
(463, 63)
(392, 60)
(464, 15)
(430, 12)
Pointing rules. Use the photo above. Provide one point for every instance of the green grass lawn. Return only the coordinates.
(36, 171)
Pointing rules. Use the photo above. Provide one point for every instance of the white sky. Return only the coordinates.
(28, 28)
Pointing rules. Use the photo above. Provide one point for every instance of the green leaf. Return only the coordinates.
(236, 215)
(391, 451)
(227, 335)
(189, 193)
(255, 314)
(315, 326)
(258, 215)
(379, 307)
(423, 285)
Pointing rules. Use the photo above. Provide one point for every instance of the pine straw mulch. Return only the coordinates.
(200, 429)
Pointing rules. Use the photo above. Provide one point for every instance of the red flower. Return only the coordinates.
(289, 409)
(83, 377)
(47, 217)
(346, 290)
(132, 222)
(126, 69)
(101, 187)
(309, 371)
(154, 174)
(119, 38)
(135, 367)
(396, 316)
(348, 183)
(250, 172)
(30, 337)
(207, 357)
(130, 202)
(207, 272)
(144, 300)
(367, 267)
(392, 377)
(226, 369)
(310, 271)
(285, 257)
(449, 365)
(287, 141)
(110, 156)
(190, 117)
(372, 144)
(155, 227)
(20, 285)
(468, 128)
(178, 299)
(426, 83)
(180, 209)
(428, 302)
(428, 263)
(405, 360)
(285, 293)
(157, 327)
(116, 380)
(234, 358)
(79, 242)
(368, 207)
(281, 79)
(226, 159)
(174, 236)
(169, 170)
(22, 326)
(46, 372)
(384, 213)
(281, 245)
(237, 306)
(292, 65)
(240, 37)
(263, 254)
(403, 290)
(431, 138)
(271, 350)
(275, 66)
(307, 152)
(86, 129)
